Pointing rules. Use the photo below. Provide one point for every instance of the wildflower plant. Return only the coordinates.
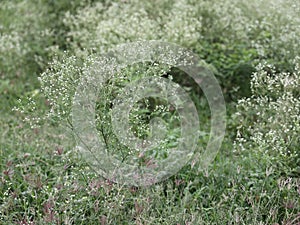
(169, 157)
(97, 94)
(269, 121)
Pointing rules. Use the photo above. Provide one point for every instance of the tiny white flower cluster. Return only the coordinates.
(270, 119)
(29, 112)
(175, 21)
(267, 26)
(56, 85)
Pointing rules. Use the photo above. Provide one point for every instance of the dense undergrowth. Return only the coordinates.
(253, 49)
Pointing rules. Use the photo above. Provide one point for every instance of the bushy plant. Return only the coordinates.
(269, 121)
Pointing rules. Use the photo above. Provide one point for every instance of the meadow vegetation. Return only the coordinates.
(253, 49)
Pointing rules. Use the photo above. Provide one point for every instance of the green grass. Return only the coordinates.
(43, 181)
